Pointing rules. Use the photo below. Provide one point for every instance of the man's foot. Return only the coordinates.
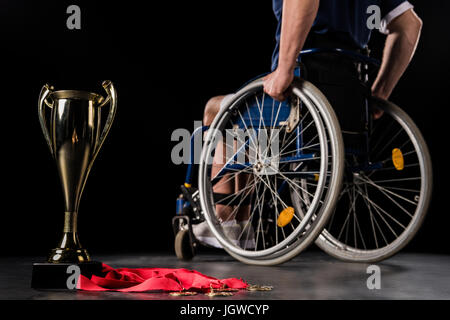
(203, 233)
(247, 239)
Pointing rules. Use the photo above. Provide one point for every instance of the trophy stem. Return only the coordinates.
(69, 249)
(70, 221)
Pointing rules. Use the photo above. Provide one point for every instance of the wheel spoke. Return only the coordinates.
(377, 207)
(384, 191)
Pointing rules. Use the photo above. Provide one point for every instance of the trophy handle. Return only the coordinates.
(45, 92)
(112, 100)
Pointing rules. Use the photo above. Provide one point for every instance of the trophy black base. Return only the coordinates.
(47, 275)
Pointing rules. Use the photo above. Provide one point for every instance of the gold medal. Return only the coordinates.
(218, 294)
(224, 289)
(227, 290)
(221, 292)
(255, 287)
(182, 293)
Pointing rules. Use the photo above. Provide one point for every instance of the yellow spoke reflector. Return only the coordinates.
(316, 177)
(397, 159)
(285, 217)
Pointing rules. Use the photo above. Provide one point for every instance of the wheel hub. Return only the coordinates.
(267, 166)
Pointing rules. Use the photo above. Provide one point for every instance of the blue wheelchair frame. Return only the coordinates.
(230, 166)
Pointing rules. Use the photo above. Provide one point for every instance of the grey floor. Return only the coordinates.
(312, 275)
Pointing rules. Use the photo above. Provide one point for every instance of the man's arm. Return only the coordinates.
(297, 19)
(401, 43)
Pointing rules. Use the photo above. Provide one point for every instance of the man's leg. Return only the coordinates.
(212, 108)
(232, 216)
(226, 184)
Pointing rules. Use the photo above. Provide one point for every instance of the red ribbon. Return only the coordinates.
(154, 279)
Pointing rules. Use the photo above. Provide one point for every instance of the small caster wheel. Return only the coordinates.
(183, 247)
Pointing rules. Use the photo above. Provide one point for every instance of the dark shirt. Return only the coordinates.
(345, 19)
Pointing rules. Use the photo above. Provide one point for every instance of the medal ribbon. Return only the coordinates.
(154, 279)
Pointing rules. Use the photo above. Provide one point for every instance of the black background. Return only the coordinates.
(166, 59)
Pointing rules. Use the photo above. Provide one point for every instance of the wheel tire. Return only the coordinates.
(333, 130)
(328, 243)
(183, 247)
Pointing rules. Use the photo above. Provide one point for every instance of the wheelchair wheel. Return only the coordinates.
(183, 246)
(384, 200)
(301, 140)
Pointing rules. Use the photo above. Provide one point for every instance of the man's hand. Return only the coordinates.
(298, 17)
(276, 84)
(377, 113)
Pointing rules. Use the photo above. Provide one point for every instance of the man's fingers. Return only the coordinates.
(287, 92)
(277, 95)
(281, 97)
(274, 90)
(377, 113)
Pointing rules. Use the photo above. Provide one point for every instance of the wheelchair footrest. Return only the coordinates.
(191, 195)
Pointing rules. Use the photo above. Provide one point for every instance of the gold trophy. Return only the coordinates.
(74, 137)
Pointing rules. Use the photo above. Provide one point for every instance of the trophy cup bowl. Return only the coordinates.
(74, 136)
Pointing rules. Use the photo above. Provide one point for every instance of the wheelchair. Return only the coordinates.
(360, 206)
